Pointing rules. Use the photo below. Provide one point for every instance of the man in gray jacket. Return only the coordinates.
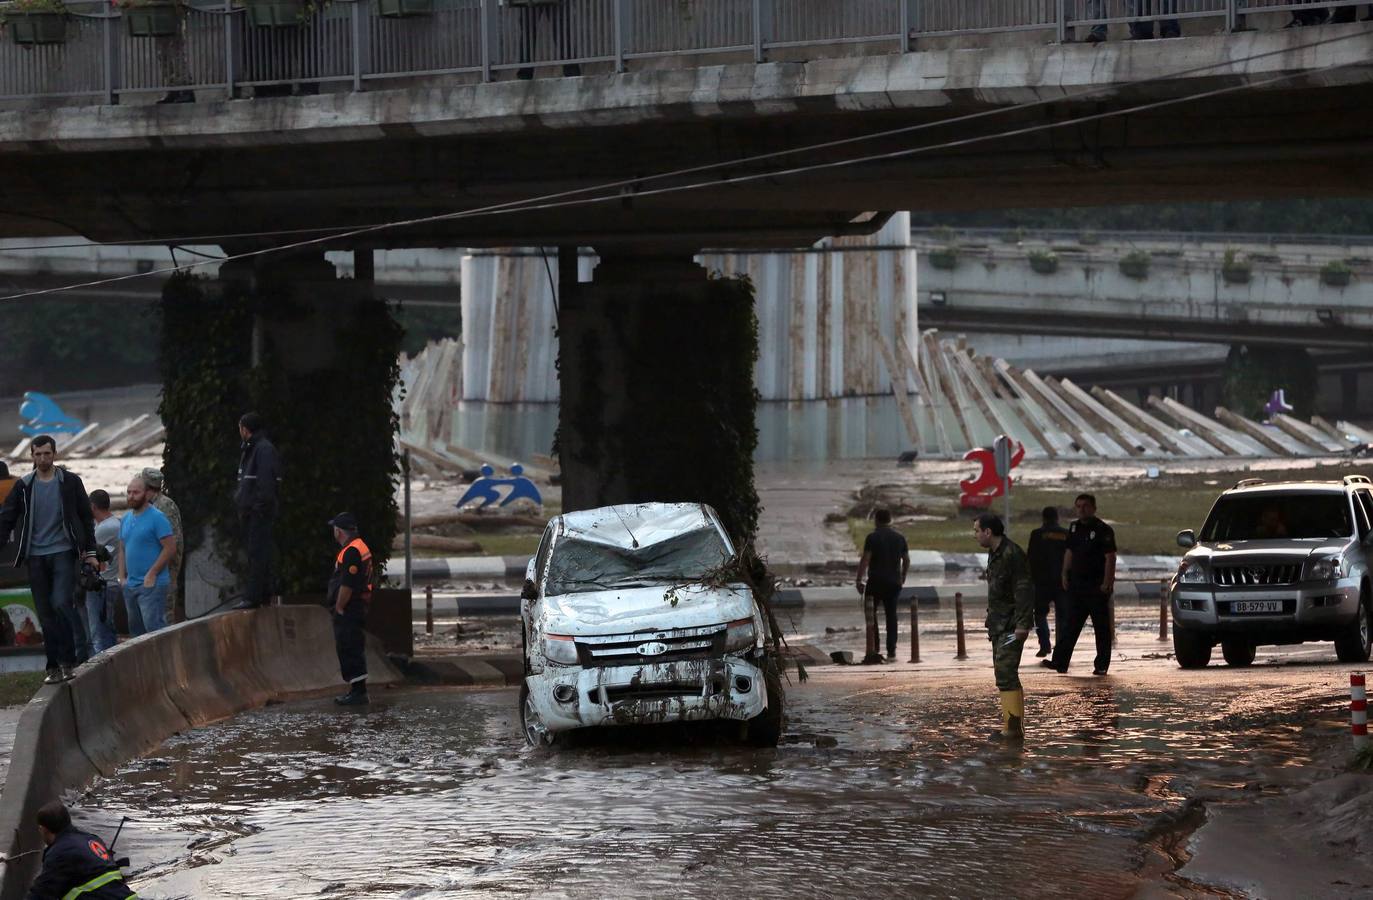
(57, 533)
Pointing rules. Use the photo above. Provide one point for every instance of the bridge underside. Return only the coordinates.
(352, 160)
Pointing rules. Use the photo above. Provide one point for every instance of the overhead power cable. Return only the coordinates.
(638, 180)
(552, 202)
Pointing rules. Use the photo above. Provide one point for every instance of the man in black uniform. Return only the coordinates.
(75, 864)
(1047, 546)
(350, 590)
(259, 476)
(1089, 577)
(881, 572)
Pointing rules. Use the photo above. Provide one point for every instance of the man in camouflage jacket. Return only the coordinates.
(1010, 615)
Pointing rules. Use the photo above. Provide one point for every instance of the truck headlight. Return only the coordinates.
(560, 648)
(1190, 572)
(740, 634)
(1324, 569)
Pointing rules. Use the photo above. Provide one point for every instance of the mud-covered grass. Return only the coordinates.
(17, 688)
(1146, 513)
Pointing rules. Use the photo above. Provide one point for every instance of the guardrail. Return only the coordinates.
(90, 50)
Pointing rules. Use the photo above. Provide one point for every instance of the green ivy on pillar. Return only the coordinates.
(334, 425)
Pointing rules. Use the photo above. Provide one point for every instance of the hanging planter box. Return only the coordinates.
(944, 259)
(152, 20)
(275, 13)
(1135, 265)
(37, 27)
(1043, 263)
(404, 9)
(1237, 273)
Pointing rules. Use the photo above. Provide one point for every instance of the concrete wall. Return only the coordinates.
(134, 697)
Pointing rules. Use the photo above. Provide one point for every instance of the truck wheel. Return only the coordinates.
(535, 734)
(1355, 645)
(765, 729)
(1237, 653)
(1192, 650)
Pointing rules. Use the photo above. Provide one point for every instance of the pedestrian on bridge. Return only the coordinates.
(1010, 613)
(1089, 578)
(350, 593)
(881, 573)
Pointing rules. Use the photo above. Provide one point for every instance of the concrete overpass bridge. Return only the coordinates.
(1314, 294)
(420, 117)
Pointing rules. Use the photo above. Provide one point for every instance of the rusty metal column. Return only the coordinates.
(915, 629)
(230, 74)
(108, 51)
(567, 278)
(958, 615)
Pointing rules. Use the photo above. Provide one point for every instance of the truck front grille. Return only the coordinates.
(1257, 574)
(646, 648)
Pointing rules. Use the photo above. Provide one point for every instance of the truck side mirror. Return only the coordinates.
(1187, 539)
(530, 590)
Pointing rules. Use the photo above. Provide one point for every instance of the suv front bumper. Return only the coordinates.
(1311, 611)
(684, 691)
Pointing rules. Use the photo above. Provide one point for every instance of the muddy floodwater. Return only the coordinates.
(883, 787)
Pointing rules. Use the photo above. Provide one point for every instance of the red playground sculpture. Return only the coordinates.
(981, 490)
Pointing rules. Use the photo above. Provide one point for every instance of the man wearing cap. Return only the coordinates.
(176, 606)
(350, 591)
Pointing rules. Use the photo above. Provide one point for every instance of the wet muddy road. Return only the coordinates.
(885, 786)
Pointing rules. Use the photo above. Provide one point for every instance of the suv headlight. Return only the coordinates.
(1324, 569)
(740, 634)
(1191, 572)
(560, 648)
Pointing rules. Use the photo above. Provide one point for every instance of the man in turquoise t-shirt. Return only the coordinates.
(146, 547)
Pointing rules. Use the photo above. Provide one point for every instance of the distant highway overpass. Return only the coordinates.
(1270, 293)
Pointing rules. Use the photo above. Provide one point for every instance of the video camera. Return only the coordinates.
(89, 580)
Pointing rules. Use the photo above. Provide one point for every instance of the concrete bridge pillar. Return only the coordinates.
(656, 373)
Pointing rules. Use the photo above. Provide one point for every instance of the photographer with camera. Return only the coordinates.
(101, 580)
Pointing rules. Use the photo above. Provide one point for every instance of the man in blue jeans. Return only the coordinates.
(100, 604)
(57, 532)
(146, 547)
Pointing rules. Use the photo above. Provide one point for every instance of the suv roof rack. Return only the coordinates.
(1357, 479)
(1248, 482)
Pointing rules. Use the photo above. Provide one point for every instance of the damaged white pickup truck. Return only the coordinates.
(625, 622)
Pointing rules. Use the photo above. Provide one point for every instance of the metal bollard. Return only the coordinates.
(915, 630)
(1358, 711)
(958, 614)
(428, 609)
(1163, 611)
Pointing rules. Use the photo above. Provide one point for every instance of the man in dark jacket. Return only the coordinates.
(75, 864)
(56, 534)
(1047, 545)
(259, 476)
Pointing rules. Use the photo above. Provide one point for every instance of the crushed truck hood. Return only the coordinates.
(629, 610)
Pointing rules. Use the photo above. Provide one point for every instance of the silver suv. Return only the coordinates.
(1277, 563)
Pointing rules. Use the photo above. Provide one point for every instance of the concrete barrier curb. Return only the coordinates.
(129, 700)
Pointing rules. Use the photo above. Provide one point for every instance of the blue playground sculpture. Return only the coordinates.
(487, 489)
(42, 415)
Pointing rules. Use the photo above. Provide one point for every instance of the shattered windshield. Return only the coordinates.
(1258, 517)
(579, 566)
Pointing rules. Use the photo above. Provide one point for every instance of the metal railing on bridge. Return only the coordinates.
(101, 50)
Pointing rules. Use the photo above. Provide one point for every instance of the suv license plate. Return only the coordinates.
(1256, 606)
